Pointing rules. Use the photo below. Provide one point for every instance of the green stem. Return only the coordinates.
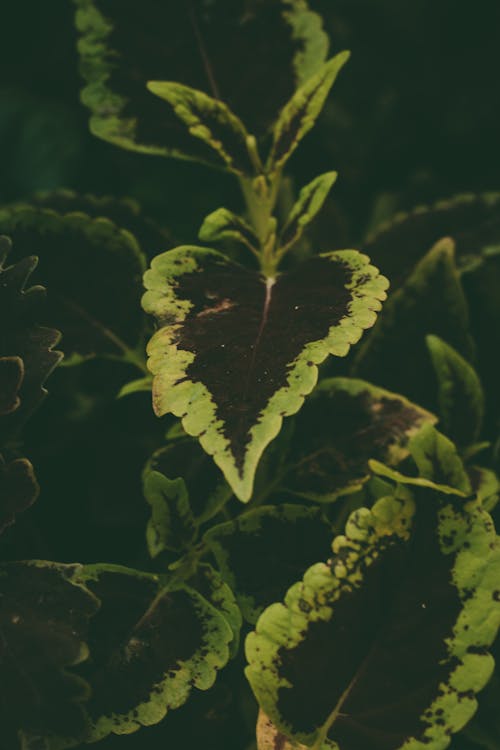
(260, 198)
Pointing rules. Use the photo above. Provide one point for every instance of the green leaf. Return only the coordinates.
(437, 459)
(209, 583)
(263, 551)
(309, 203)
(460, 394)
(472, 221)
(485, 485)
(481, 289)
(343, 424)
(18, 489)
(301, 111)
(93, 270)
(149, 646)
(26, 349)
(205, 47)
(431, 301)
(184, 462)
(211, 121)
(381, 470)
(171, 526)
(235, 353)
(44, 620)
(141, 385)
(387, 644)
(225, 225)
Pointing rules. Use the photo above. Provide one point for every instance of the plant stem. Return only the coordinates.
(260, 198)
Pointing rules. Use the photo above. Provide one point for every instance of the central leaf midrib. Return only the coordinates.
(270, 282)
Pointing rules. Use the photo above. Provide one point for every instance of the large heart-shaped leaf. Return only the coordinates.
(385, 646)
(236, 352)
(92, 269)
(344, 424)
(262, 552)
(203, 46)
(149, 646)
(43, 623)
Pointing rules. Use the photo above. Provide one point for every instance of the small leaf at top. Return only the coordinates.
(26, 349)
(171, 526)
(301, 111)
(224, 224)
(43, 621)
(235, 352)
(344, 423)
(262, 552)
(431, 301)
(149, 647)
(93, 271)
(211, 121)
(205, 46)
(309, 203)
(460, 394)
(386, 645)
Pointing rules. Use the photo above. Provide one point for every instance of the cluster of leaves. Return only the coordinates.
(352, 543)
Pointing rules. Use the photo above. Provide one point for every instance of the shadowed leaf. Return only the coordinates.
(430, 302)
(124, 212)
(93, 272)
(343, 424)
(263, 551)
(171, 526)
(211, 121)
(472, 221)
(11, 377)
(460, 394)
(149, 646)
(206, 47)
(43, 623)
(301, 111)
(18, 489)
(25, 347)
(309, 203)
(185, 462)
(235, 353)
(386, 646)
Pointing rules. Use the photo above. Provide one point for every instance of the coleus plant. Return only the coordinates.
(336, 536)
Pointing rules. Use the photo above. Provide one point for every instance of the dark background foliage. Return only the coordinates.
(413, 118)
